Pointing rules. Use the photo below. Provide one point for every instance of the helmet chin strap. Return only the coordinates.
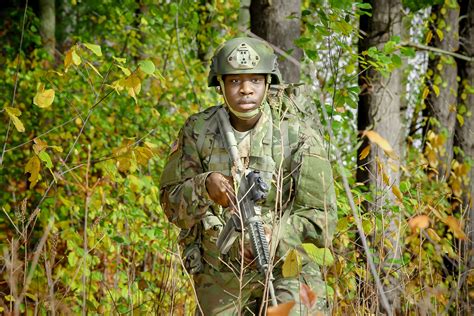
(245, 115)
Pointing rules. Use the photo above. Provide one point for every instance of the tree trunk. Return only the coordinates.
(464, 134)
(48, 25)
(278, 22)
(379, 110)
(442, 100)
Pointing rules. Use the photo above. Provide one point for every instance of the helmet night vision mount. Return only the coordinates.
(244, 55)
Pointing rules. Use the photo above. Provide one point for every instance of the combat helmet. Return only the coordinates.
(244, 55)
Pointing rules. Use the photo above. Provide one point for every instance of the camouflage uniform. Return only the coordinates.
(289, 153)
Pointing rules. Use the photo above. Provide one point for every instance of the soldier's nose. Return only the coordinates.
(245, 88)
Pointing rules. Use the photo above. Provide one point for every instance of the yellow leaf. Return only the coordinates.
(95, 69)
(375, 137)
(33, 167)
(68, 59)
(39, 145)
(281, 309)
(455, 226)
(292, 265)
(419, 222)
(133, 85)
(59, 149)
(436, 90)
(429, 36)
(433, 235)
(385, 178)
(13, 113)
(364, 153)
(426, 91)
(76, 59)
(143, 154)
(440, 34)
(43, 98)
(460, 119)
(125, 70)
(396, 191)
(94, 48)
(124, 164)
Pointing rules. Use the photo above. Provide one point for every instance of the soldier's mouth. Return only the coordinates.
(247, 102)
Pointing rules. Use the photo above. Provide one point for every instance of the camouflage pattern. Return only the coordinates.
(218, 291)
(289, 153)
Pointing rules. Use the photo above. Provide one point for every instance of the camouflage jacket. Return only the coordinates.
(289, 153)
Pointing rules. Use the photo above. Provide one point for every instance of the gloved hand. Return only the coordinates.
(221, 189)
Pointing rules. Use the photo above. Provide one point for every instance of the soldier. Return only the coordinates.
(197, 185)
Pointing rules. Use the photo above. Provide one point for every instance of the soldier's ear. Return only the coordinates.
(219, 90)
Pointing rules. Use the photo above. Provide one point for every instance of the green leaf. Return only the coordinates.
(305, 12)
(147, 66)
(350, 68)
(94, 48)
(72, 258)
(404, 186)
(322, 256)
(389, 47)
(312, 54)
(43, 155)
(292, 265)
(395, 39)
(408, 51)
(118, 239)
(361, 5)
(119, 60)
(396, 60)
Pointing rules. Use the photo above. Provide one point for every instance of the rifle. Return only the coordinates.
(251, 190)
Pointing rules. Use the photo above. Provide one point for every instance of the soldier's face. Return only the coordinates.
(244, 92)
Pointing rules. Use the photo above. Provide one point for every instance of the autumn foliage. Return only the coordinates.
(84, 135)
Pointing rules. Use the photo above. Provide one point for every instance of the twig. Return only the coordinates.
(86, 214)
(357, 219)
(17, 230)
(34, 263)
(187, 275)
(16, 82)
(196, 99)
(437, 50)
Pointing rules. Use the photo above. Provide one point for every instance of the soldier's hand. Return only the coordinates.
(220, 189)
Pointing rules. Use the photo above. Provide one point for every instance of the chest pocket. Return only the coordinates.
(218, 158)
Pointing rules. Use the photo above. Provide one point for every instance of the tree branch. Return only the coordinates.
(437, 50)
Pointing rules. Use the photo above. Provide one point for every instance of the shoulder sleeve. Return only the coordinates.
(183, 193)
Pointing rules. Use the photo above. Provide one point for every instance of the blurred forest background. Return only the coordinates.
(94, 92)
